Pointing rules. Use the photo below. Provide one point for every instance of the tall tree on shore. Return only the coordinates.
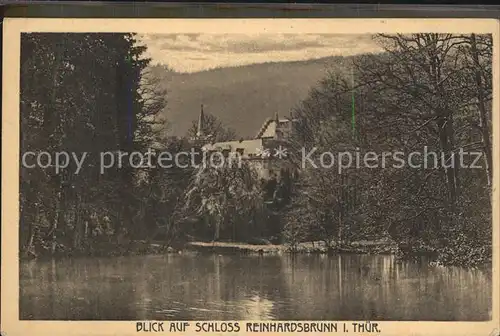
(83, 112)
(225, 195)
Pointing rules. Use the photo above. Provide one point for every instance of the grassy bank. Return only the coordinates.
(475, 258)
(110, 249)
(383, 246)
(360, 247)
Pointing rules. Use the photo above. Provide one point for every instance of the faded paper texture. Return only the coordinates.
(243, 172)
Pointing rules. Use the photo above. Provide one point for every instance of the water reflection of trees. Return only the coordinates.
(314, 287)
(338, 288)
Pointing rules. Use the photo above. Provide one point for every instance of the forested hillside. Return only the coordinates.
(242, 97)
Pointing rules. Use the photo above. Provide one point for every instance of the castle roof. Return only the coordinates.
(270, 126)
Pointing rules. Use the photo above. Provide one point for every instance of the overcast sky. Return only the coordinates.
(198, 52)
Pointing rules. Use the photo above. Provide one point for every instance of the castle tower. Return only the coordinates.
(201, 138)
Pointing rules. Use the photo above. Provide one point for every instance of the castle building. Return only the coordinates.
(267, 151)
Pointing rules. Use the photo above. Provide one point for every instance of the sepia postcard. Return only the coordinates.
(249, 176)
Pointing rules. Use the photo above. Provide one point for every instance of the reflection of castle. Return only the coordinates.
(267, 151)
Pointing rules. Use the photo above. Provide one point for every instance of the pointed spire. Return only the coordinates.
(276, 117)
(201, 119)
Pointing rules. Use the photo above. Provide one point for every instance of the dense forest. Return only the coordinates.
(93, 93)
(426, 90)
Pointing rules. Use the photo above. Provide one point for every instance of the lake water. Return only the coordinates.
(213, 287)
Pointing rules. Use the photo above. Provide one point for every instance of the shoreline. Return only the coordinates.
(303, 248)
(144, 248)
(137, 248)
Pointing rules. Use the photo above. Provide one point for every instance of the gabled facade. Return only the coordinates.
(262, 151)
